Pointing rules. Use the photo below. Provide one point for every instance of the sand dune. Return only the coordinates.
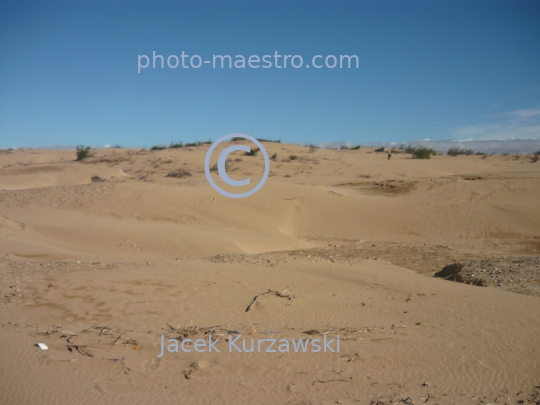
(101, 257)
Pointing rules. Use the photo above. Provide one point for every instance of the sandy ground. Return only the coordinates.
(101, 258)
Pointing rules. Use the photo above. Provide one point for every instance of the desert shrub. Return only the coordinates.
(344, 147)
(379, 150)
(456, 150)
(238, 159)
(176, 145)
(479, 153)
(190, 144)
(83, 152)
(179, 173)
(274, 156)
(158, 147)
(535, 156)
(252, 152)
(116, 147)
(227, 166)
(97, 179)
(267, 140)
(517, 156)
(422, 153)
(293, 157)
(505, 154)
(355, 147)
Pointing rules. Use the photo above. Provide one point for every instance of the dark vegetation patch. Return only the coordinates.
(179, 173)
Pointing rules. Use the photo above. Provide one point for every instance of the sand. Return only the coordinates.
(102, 257)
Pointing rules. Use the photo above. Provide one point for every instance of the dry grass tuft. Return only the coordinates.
(179, 173)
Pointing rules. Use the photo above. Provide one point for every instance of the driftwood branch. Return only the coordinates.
(284, 294)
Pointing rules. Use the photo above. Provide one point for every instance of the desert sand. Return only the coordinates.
(99, 258)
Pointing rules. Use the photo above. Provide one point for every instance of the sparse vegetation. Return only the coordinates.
(269, 140)
(535, 156)
(479, 153)
(198, 143)
(158, 147)
(252, 152)
(83, 152)
(456, 150)
(422, 153)
(274, 157)
(116, 147)
(379, 149)
(227, 166)
(97, 179)
(357, 147)
(176, 145)
(179, 173)
(293, 157)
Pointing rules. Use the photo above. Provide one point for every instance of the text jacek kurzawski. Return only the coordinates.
(238, 344)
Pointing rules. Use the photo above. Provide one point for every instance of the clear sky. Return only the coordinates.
(427, 69)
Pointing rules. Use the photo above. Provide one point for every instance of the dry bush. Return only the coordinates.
(97, 179)
(179, 173)
(456, 150)
(252, 152)
(83, 152)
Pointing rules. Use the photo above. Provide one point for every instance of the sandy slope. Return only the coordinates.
(104, 268)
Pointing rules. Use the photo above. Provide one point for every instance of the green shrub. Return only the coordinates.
(355, 147)
(176, 145)
(158, 147)
(83, 152)
(379, 149)
(422, 153)
(252, 152)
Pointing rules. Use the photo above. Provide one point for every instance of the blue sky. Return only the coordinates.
(438, 70)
